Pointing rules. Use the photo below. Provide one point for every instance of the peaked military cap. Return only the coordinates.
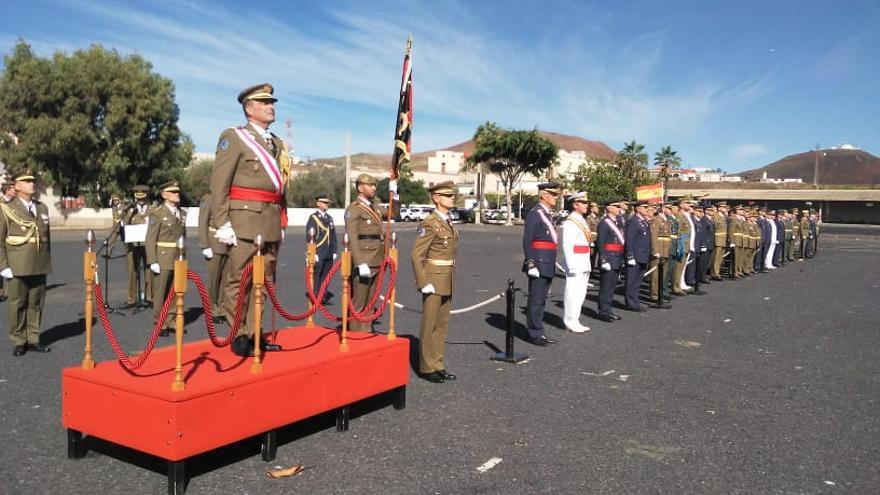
(550, 187)
(170, 186)
(324, 199)
(23, 174)
(263, 91)
(365, 179)
(446, 187)
(7, 181)
(721, 204)
(140, 191)
(579, 197)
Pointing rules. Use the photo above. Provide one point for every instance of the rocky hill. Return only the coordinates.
(594, 149)
(836, 166)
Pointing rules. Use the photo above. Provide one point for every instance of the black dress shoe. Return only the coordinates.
(242, 346)
(18, 350)
(38, 348)
(608, 318)
(434, 377)
(615, 316)
(538, 341)
(269, 346)
(635, 310)
(446, 375)
(717, 278)
(664, 306)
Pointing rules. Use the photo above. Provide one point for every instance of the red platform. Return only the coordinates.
(224, 401)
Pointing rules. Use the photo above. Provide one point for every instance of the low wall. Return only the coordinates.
(102, 218)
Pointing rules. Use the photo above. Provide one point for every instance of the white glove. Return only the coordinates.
(605, 266)
(335, 256)
(428, 289)
(317, 258)
(208, 253)
(6, 273)
(364, 270)
(533, 272)
(226, 234)
(631, 262)
(392, 186)
(656, 255)
(282, 235)
(702, 250)
(732, 245)
(155, 268)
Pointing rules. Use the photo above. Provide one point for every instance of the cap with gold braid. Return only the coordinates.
(550, 187)
(324, 199)
(24, 174)
(140, 191)
(170, 186)
(580, 197)
(365, 179)
(446, 188)
(263, 91)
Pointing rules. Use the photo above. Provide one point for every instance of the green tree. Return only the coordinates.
(196, 181)
(666, 156)
(410, 191)
(511, 154)
(94, 122)
(606, 181)
(633, 160)
(320, 181)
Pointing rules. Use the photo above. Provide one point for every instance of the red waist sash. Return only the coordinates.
(613, 247)
(582, 249)
(543, 245)
(249, 194)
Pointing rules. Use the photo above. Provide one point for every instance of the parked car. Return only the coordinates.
(415, 213)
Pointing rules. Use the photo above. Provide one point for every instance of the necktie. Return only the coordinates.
(32, 210)
(267, 136)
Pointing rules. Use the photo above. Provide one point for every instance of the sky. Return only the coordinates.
(730, 85)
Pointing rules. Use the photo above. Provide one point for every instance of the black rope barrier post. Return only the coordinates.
(509, 356)
(269, 445)
(661, 286)
(698, 268)
(106, 249)
(731, 262)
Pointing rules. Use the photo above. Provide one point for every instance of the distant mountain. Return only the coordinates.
(836, 166)
(593, 149)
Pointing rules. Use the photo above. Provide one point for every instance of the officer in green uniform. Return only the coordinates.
(6, 195)
(795, 235)
(137, 214)
(670, 210)
(215, 252)
(804, 230)
(721, 238)
(167, 225)
(363, 224)
(25, 260)
(659, 252)
(433, 261)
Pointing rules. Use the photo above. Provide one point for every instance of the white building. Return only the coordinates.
(446, 162)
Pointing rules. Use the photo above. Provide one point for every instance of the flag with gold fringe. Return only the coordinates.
(403, 132)
(652, 193)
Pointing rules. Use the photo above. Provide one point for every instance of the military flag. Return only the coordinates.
(652, 193)
(403, 132)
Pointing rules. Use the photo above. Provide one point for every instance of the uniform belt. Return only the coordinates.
(434, 262)
(167, 244)
(250, 194)
(613, 247)
(582, 249)
(673, 237)
(372, 237)
(17, 240)
(662, 237)
(212, 229)
(543, 245)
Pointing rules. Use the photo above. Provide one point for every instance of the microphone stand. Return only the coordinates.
(105, 247)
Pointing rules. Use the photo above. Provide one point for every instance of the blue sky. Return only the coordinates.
(733, 85)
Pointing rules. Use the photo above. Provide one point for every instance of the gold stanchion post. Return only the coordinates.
(89, 276)
(346, 273)
(392, 253)
(180, 267)
(311, 250)
(258, 276)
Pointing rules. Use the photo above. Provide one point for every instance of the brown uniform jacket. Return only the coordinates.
(24, 240)
(236, 165)
(593, 223)
(721, 237)
(660, 241)
(433, 254)
(366, 237)
(162, 235)
(207, 228)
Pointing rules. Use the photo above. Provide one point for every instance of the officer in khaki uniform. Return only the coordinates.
(719, 216)
(137, 214)
(251, 169)
(167, 225)
(660, 240)
(804, 231)
(433, 261)
(6, 195)
(685, 243)
(25, 260)
(215, 252)
(363, 224)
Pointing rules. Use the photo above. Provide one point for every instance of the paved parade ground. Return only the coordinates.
(767, 385)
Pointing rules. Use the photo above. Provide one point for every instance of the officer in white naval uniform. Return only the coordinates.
(576, 249)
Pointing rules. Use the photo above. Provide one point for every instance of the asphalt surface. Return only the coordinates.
(768, 385)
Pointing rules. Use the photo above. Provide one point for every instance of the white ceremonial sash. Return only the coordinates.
(616, 229)
(267, 160)
(548, 224)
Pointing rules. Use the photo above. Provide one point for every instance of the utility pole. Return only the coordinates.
(347, 169)
(816, 169)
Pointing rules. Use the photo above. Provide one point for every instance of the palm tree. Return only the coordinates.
(632, 159)
(666, 156)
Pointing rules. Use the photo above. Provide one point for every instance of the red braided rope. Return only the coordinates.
(387, 264)
(273, 297)
(111, 337)
(322, 290)
(208, 307)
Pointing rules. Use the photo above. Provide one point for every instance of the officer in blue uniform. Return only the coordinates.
(638, 254)
(766, 240)
(610, 241)
(539, 249)
(707, 246)
(778, 260)
(320, 224)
